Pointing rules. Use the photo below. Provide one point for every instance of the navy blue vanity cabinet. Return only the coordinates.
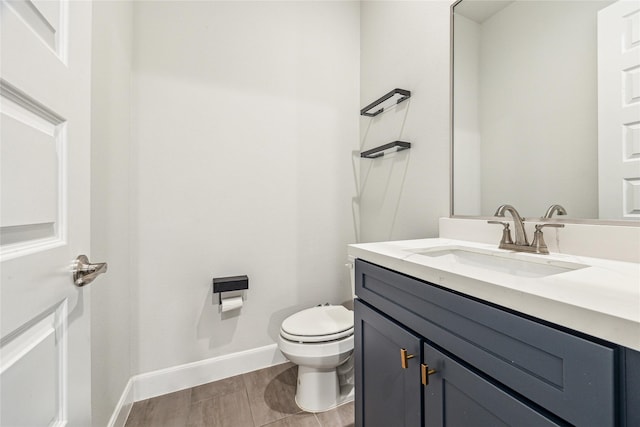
(394, 392)
(491, 364)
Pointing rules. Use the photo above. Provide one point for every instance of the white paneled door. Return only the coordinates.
(44, 212)
(619, 110)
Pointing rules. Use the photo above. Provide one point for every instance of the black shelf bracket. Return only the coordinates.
(379, 151)
(402, 94)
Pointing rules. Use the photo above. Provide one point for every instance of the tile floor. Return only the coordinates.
(255, 399)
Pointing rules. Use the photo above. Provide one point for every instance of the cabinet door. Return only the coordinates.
(386, 393)
(457, 397)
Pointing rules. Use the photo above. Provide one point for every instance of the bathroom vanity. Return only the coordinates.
(447, 335)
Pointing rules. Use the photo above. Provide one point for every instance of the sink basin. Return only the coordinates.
(512, 263)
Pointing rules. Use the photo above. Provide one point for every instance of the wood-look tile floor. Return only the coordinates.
(255, 399)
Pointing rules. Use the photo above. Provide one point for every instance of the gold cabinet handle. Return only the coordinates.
(425, 372)
(404, 358)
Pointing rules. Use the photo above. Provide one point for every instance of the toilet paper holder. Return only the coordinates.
(229, 284)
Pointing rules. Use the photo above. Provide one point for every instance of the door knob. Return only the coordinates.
(85, 272)
(404, 358)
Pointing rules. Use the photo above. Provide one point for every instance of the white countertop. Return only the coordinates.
(601, 300)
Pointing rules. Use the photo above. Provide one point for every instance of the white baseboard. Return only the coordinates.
(123, 408)
(163, 381)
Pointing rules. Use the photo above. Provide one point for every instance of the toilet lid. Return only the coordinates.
(325, 322)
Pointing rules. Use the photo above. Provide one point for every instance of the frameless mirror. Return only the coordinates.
(546, 108)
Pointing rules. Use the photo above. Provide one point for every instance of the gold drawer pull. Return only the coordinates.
(425, 372)
(404, 358)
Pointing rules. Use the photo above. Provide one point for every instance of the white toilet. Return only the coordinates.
(320, 341)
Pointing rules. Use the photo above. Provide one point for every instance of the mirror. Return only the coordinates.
(537, 118)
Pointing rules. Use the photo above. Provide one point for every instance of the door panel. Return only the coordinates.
(44, 212)
(386, 394)
(39, 350)
(44, 19)
(33, 140)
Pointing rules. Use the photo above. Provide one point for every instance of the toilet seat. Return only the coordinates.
(318, 324)
(316, 338)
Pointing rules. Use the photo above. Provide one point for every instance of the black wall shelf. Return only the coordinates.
(379, 151)
(402, 94)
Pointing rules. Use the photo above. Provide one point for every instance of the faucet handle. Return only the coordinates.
(506, 232)
(538, 238)
(554, 225)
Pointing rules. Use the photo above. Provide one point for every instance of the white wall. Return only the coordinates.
(467, 176)
(245, 118)
(545, 150)
(405, 45)
(110, 225)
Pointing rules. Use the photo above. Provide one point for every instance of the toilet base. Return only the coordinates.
(319, 390)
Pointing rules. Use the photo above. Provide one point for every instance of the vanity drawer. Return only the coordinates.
(567, 375)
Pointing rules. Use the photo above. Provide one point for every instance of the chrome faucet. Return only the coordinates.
(518, 223)
(522, 244)
(555, 209)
